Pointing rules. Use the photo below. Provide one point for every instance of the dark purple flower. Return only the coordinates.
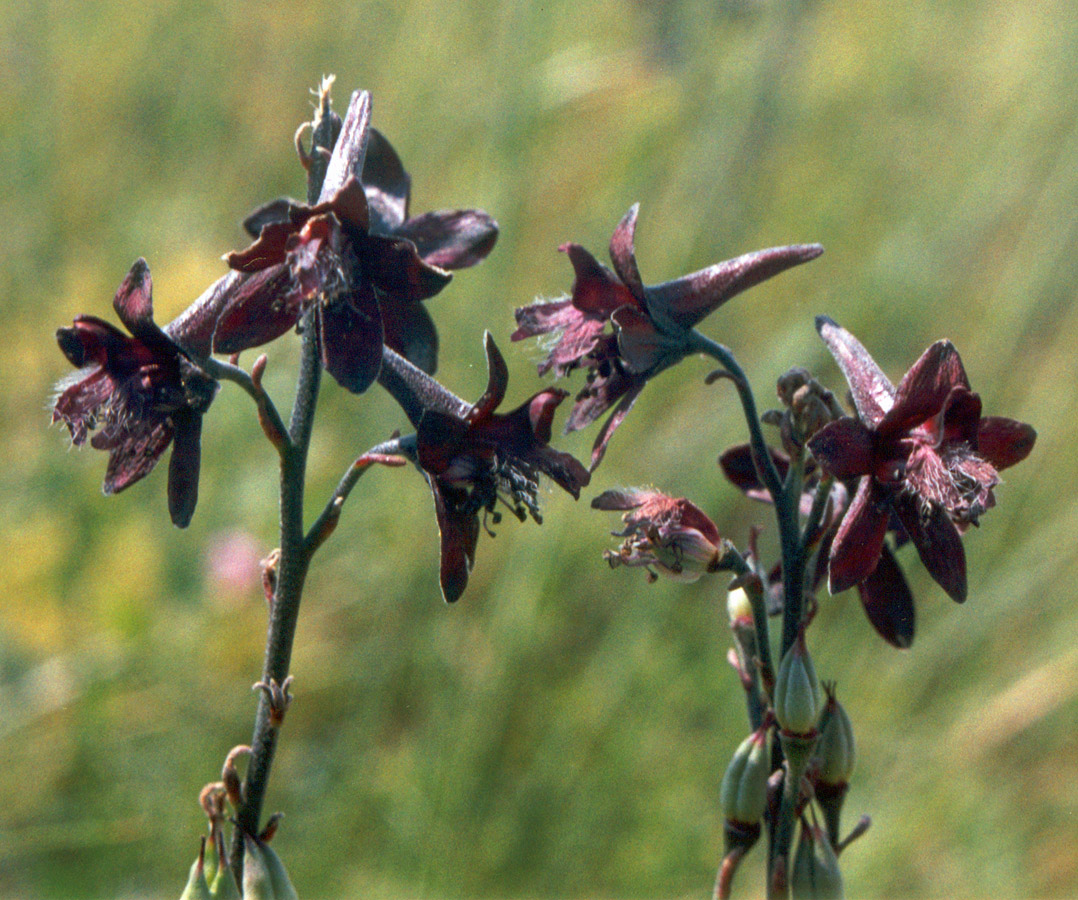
(667, 534)
(650, 325)
(922, 452)
(473, 457)
(358, 254)
(140, 392)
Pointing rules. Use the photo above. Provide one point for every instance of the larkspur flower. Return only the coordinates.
(359, 256)
(142, 392)
(921, 452)
(652, 325)
(473, 457)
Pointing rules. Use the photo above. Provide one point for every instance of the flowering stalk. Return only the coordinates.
(294, 556)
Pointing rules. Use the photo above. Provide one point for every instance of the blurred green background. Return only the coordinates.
(562, 731)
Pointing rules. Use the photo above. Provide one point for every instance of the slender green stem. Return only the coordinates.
(294, 557)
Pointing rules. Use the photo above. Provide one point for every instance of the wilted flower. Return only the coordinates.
(359, 256)
(922, 451)
(473, 457)
(651, 325)
(668, 534)
(140, 392)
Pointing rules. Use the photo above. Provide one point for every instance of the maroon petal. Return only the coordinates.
(1004, 442)
(349, 205)
(134, 458)
(260, 308)
(687, 300)
(623, 252)
(394, 265)
(386, 182)
(580, 333)
(452, 239)
(740, 470)
(598, 395)
(93, 340)
(598, 450)
(351, 337)
(640, 344)
(924, 389)
(937, 541)
(619, 500)
(844, 448)
(596, 290)
(888, 601)
(351, 146)
(856, 548)
(409, 330)
(459, 536)
(497, 381)
(276, 211)
(134, 298)
(269, 248)
(184, 466)
(873, 394)
(78, 404)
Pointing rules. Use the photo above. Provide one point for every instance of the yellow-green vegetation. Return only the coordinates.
(563, 730)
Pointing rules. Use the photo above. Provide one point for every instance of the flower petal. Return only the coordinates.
(134, 298)
(459, 536)
(134, 458)
(937, 541)
(452, 238)
(394, 265)
(740, 470)
(598, 450)
(844, 448)
(1004, 442)
(856, 548)
(351, 147)
(409, 330)
(387, 184)
(277, 210)
(351, 336)
(259, 309)
(623, 252)
(184, 467)
(687, 300)
(873, 394)
(924, 389)
(888, 601)
(640, 344)
(596, 290)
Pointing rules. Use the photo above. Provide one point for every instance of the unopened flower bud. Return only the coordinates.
(798, 699)
(223, 884)
(264, 872)
(738, 606)
(196, 887)
(836, 749)
(815, 874)
(744, 786)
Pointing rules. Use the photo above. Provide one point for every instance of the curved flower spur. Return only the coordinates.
(358, 255)
(652, 326)
(922, 452)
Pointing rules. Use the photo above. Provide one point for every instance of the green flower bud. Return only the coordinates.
(282, 884)
(738, 607)
(257, 884)
(798, 699)
(744, 786)
(815, 874)
(224, 885)
(196, 888)
(836, 750)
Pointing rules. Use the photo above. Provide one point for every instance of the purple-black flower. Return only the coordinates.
(359, 256)
(922, 452)
(651, 325)
(139, 393)
(474, 457)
